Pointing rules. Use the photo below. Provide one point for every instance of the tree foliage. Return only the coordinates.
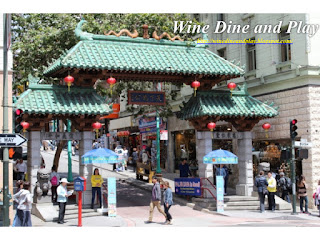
(40, 38)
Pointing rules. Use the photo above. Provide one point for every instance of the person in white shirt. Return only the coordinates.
(24, 199)
(144, 156)
(125, 156)
(21, 169)
(16, 199)
(62, 199)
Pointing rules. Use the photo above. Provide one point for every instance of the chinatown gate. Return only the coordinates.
(143, 59)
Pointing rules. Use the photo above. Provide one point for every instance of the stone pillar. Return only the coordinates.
(204, 146)
(34, 161)
(85, 170)
(245, 185)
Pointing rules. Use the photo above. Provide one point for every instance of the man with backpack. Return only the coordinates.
(285, 186)
(54, 180)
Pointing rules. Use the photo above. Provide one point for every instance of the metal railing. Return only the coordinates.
(207, 189)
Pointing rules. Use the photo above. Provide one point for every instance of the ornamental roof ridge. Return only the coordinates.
(132, 37)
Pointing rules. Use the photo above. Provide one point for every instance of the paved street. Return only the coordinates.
(133, 209)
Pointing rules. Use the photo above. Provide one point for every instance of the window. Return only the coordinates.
(222, 53)
(285, 49)
(220, 17)
(251, 53)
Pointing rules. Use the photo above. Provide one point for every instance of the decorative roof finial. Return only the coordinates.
(145, 31)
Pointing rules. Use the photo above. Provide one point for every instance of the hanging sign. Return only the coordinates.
(112, 197)
(146, 98)
(60, 136)
(163, 134)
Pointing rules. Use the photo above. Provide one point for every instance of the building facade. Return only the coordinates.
(287, 75)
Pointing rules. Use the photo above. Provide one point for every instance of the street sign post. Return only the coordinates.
(303, 144)
(12, 140)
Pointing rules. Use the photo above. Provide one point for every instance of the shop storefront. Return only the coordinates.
(272, 152)
(148, 136)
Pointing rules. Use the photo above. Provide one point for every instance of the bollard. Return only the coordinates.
(80, 209)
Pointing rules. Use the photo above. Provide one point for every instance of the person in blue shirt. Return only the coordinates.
(221, 171)
(167, 195)
(184, 169)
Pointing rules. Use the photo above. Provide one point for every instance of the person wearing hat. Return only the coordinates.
(62, 199)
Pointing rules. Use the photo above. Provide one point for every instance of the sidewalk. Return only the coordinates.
(98, 221)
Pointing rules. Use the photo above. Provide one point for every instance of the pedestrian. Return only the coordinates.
(21, 169)
(125, 158)
(317, 197)
(184, 169)
(16, 198)
(73, 147)
(155, 199)
(302, 194)
(24, 199)
(134, 159)
(183, 154)
(62, 199)
(272, 189)
(96, 182)
(284, 185)
(226, 178)
(221, 171)
(54, 180)
(167, 196)
(261, 183)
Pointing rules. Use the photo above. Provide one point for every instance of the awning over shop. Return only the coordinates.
(121, 123)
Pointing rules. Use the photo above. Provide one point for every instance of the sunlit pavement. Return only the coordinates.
(133, 210)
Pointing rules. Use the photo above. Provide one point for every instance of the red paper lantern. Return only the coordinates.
(69, 80)
(195, 84)
(25, 125)
(111, 81)
(211, 126)
(96, 126)
(231, 86)
(266, 127)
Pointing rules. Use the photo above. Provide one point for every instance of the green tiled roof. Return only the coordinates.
(221, 103)
(52, 99)
(123, 53)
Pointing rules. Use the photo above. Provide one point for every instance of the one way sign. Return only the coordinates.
(12, 140)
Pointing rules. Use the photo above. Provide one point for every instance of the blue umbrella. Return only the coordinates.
(100, 155)
(220, 157)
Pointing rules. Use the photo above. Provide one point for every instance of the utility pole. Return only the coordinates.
(293, 174)
(6, 203)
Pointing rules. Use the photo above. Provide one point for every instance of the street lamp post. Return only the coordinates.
(158, 170)
(6, 220)
(70, 179)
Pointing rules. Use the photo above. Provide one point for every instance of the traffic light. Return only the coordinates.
(293, 128)
(14, 153)
(18, 118)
